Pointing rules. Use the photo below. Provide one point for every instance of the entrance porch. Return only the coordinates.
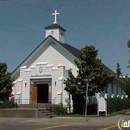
(40, 91)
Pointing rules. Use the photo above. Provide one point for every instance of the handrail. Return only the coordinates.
(25, 103)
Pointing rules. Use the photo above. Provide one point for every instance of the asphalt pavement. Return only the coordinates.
(61, 123)
(31, 126)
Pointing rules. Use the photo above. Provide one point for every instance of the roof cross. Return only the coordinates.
(55, 16)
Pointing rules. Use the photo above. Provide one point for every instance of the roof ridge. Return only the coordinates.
(73, 50)
(53, 26)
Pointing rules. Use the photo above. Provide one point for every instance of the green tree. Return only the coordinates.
(126, 85)
(90, 67)
(128, 43)
(5, 82)
(118, 70)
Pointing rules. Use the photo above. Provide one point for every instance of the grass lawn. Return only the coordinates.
(103, 115)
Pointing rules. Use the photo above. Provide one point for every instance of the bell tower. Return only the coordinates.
(55, 30)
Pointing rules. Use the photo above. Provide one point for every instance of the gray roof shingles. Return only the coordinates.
(54, 26)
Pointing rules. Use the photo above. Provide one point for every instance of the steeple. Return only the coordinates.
(55, 30)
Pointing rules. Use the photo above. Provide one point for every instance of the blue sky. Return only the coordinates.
(102, 23)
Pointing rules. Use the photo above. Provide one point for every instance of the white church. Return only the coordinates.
(39, 78)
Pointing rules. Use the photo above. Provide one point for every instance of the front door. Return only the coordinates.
(33, 93)
(42, 93)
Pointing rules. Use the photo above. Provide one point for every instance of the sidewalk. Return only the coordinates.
(92, 121)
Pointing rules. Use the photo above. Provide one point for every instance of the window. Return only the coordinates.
(121, 91)
(52, 32)
(61, 34)
(112, 87)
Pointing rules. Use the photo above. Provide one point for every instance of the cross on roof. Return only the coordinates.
(55, 16)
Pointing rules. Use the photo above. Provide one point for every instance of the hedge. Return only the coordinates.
(113, 105)
(8, 104)
(117, 104)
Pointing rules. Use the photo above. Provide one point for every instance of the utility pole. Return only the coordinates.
(86, 99)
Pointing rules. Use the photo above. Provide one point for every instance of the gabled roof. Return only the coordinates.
(31, 53)
(54, 26)
(74, 51)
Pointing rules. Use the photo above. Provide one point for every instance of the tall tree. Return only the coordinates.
(118, 70)
(5, 82)
(128, 44)
(90, 67)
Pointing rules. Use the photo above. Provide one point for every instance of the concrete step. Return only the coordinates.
(37, 105)
(44, 113)
(26, 113)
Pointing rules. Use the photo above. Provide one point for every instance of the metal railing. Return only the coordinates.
(32, 104)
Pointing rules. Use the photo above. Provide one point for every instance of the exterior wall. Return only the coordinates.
(54, 61)
(123, 93)
(26, 86)
(55, 55)
(115, 90)
(57, 85)
(55, 33)
(119, 91)
(62, 37)
(93, 100)
(109, 91)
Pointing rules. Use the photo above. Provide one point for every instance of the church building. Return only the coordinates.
(39, 78)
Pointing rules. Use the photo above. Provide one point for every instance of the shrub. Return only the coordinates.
(117, 104)
(113, 105)
(59, 109)
(8, 104)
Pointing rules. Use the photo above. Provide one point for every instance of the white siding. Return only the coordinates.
(55, 33)
(62, 38)
(115, 90)
(59, 84)
(53, 55)
(109, 90)
(25, 85)
(119, 91)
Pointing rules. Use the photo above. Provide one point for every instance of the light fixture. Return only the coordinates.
(118, 96)
(126, 96)
(106, 96)
(112, 96)
(122, 96)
